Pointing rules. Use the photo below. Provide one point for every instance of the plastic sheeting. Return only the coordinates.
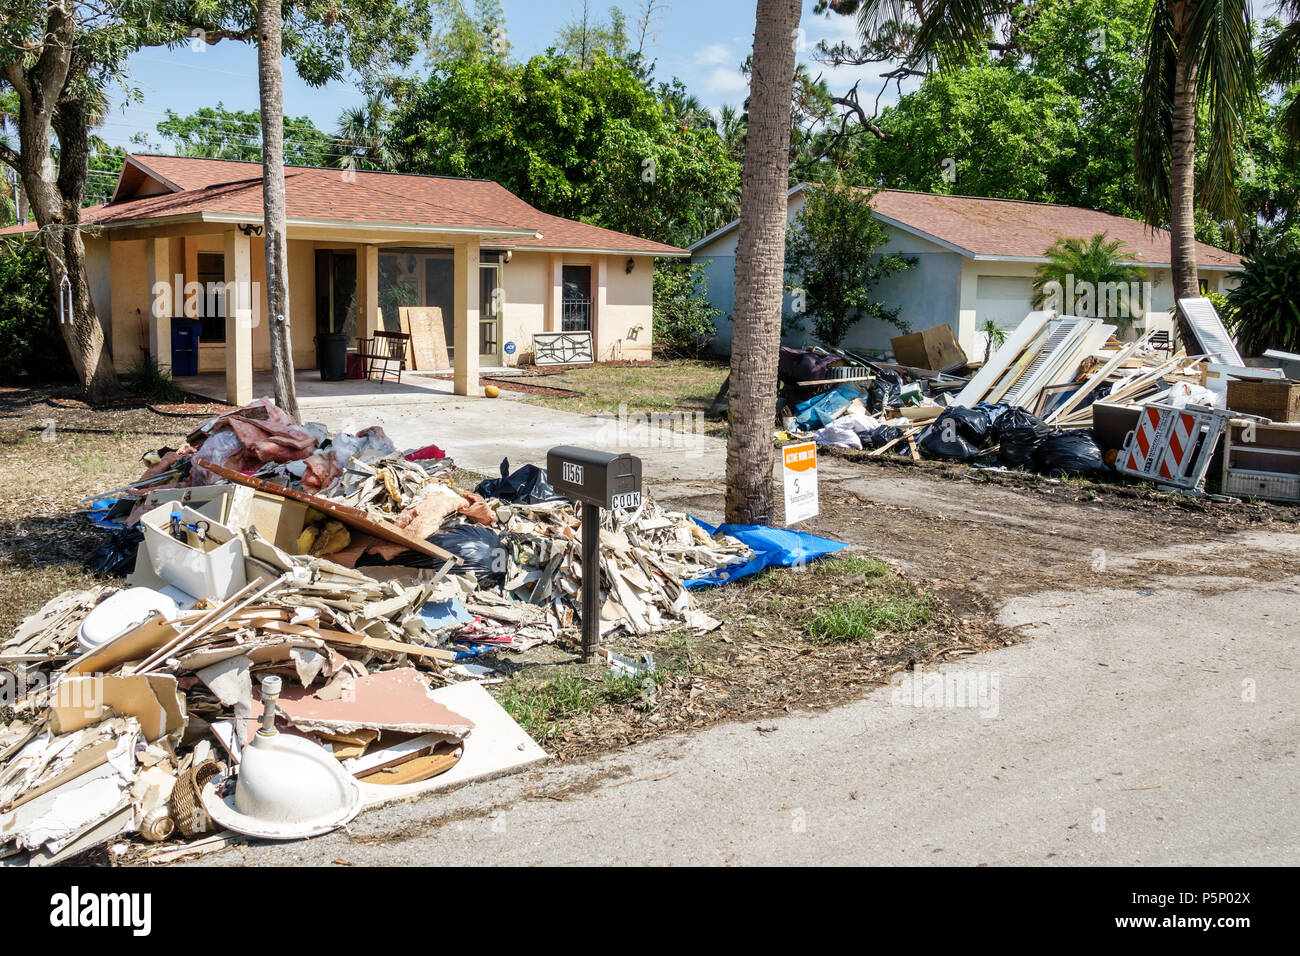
(772, 547)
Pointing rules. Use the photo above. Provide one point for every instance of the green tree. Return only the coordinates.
(1101, 274)
(1281, 66)
(980, 131)
(832, 259)
(585, 143)
(1266, 302)
(587, 37)
(215, 132)
(361, 141)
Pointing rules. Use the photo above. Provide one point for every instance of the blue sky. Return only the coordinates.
(701, 41)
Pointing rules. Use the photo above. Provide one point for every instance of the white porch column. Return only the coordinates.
(555, 292)
(967, 285)
(465, 318)
(157, 253)
(599, 296)
(239, 318)
(369, 321)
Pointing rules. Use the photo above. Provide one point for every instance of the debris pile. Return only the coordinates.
(1061, 396)
(344, 585)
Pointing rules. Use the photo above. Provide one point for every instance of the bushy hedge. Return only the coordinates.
(31, 348)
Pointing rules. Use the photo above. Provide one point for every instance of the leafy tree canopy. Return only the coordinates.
(592, 143)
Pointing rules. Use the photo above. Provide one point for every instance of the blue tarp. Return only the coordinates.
(773, 547)
(820, 410)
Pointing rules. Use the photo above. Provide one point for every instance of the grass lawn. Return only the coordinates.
(671, 386)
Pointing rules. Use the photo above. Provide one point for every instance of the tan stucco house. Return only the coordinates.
(359, 244)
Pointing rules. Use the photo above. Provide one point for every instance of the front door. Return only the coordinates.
(490, 300)
(577, 299)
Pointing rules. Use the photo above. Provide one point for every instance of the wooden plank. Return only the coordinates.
(1099, 377)
(428, 337)
(352, 517)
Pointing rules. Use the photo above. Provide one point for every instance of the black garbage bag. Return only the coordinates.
(973, 424)
(1019, 434)
(887, 389)
(996, 411)
(1070, 453)
(527, 486)
(479, 549)
(879, 437)
(116, 556)
(946, 441)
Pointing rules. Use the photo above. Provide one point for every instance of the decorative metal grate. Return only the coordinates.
(562, 348)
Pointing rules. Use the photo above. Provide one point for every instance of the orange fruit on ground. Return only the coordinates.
(491, 391)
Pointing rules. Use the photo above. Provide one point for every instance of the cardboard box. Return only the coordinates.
(935, 349)
(1276, 400)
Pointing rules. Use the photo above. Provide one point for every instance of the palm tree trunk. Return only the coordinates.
(271, 88)
(760, 264)
(1182, 176)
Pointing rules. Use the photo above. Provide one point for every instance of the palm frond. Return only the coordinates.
(1155, 118)
(1219, 37)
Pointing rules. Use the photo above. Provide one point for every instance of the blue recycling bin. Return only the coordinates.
(185, 346)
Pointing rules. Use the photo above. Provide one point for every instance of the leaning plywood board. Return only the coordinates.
(496, 746)
(428, 337)
(1213, 338)
(984, 379)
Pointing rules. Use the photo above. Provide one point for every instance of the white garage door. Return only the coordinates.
(1004, 299)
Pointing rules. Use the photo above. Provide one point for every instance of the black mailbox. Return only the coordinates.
(599, 478)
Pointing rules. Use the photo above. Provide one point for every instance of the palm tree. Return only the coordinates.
(270, 83)
(362, 137)
(1281, 65)
(731, 128)
(1198, 57)
(1098, 266)
(760, 264)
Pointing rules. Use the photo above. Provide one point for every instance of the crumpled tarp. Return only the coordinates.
(772, 547)
(820, 410)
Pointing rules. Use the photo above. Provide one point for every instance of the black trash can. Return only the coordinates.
(332, 356)
(185, 346)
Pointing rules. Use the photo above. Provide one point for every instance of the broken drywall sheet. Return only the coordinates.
(153, 699)
(397, 700)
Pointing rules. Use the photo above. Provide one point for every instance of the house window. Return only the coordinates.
(212, 304)
(577, 299)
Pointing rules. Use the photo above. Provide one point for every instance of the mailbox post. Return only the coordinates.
(597, 479)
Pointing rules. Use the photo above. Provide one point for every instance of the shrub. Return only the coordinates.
(149, 381)
(1267, 302)
(683, 317)
(31, 348)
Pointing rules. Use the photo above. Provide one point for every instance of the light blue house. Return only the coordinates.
(975, 261)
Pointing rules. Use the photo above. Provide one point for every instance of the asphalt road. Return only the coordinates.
(1156, 726)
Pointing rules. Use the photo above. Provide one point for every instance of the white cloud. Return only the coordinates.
(714, 54)
(722, 79)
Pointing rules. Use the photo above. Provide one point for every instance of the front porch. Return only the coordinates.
(353, 392)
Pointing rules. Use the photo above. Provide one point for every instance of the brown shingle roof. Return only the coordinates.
(1005, 228)
(231, 188)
